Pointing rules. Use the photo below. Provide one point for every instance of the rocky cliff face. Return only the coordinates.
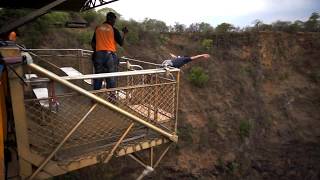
(258, 116)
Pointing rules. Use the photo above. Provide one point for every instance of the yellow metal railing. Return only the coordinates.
(143, 107)
(3, 119)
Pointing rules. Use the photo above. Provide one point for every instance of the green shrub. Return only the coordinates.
(198, 77)
(244, 129)
(207, 44)
(163, 39)
(84, 37)
(32, 33)
(133, 37)
(56, 18)
(93, 16)
(232, 167)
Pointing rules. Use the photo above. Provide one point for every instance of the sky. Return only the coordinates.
(237, 12)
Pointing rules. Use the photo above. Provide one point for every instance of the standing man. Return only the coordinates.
(104, 43)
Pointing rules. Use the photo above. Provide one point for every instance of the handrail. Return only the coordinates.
(131, 66)
(118, 74)
(136, 60)
(101, 101)
(90, 51)
(57, 50)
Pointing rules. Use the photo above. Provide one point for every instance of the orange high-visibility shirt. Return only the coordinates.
(12, 36)
(105, 38)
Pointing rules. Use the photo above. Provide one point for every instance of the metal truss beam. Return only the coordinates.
(30, 17)
(90, 4)
(149, 168)
(107, 159)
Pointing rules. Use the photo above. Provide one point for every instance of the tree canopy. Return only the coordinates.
(37, 28)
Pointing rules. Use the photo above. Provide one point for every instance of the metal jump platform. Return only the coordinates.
(63, 125)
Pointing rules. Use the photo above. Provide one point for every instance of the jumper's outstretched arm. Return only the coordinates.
(205, 56)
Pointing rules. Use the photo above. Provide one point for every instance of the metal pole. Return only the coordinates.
(151, 156)
(177, 102)
(61, 143)
(172, 137)
(138, 160)
(156, 99)
(130, 59)
(118, 143)
(162, 155)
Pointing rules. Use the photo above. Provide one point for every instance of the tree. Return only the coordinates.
(281, 26)
(205, 28)
(224, 27)
(193, 28)
(265, 27)
(313, 24)
(297, 26)
(179, 28)
(9, 15)
(135, 30)
(260, 26)
(257, 24)
(154, 25)
(200, 28)
(57, 17)
(104, 11)
(92, 16)
(314, 16)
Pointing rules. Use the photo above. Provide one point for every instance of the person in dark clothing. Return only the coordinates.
(104, 43)
(179, 61)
